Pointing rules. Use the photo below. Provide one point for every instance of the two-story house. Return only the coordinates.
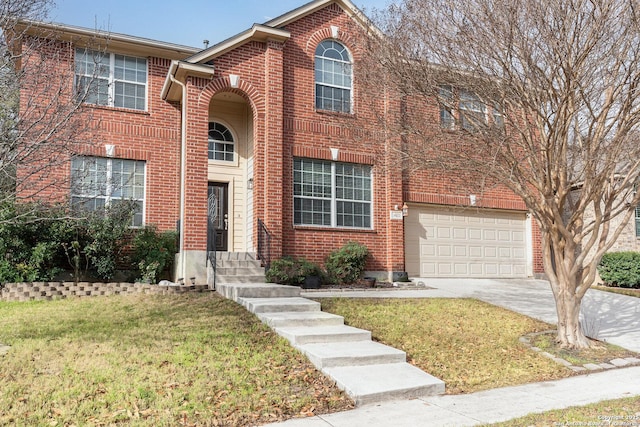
(270, 130)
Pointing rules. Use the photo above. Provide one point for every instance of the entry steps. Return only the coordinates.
(238, 267)
(369, 372)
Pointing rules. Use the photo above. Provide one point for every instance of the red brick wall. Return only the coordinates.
(152, 135)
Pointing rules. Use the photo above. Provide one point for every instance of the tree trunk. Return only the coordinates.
(570, 333)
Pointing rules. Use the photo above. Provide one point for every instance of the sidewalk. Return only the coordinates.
(489, 406)
(613, 318)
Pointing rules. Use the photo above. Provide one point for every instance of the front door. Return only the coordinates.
(218, 212)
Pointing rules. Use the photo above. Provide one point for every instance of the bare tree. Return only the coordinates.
(42, 122)
(539, 96)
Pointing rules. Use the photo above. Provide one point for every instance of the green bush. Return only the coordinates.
(28, 250)
(346, 265)
(153, 252)
(108, 232)
(620, 269)
(291, 271)
(38, 242)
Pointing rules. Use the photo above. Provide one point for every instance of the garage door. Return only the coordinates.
(454, 242)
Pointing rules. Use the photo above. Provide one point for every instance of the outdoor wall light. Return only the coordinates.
(405, 210)
(250, 184)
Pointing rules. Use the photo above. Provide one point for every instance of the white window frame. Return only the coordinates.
(348, 63)
(233, 141)
(108, 59)
(332, 198)
(470, 106)
(104, 188)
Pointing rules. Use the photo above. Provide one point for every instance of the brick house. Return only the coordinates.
(270, 126)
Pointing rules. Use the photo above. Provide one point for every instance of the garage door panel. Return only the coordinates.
(460, 251)
(448, 242)
(460, 233)
(461, 269)
(475, 234)
(444, 251)
(489, 234)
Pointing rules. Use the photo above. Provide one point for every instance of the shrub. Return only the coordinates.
(153, 252)
(291, 271)
(108, 231)
(27, 244)
(620, 269)
(346, 265)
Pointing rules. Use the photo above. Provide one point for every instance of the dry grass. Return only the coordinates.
(599, 352)
(620, 412)
(468, 344)
(148, 360)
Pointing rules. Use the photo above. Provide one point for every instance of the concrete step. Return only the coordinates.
(240, 271)
(236, 256)
(220, 263)
(390, 381)
(234, 291)
(254, 278)
(299, 335)
(278, 305)
(358, 353)
(310, 318)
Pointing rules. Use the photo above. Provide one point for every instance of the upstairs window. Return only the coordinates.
(333, 76)
(97, 182)
(221, 143)
(463, 109)
(110, 79)
(446, 111)
(473, 112)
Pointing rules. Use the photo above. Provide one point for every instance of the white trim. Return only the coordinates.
(257, 32)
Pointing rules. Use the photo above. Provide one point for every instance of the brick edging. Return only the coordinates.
(38, 291)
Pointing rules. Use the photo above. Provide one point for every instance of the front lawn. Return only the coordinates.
(620, 412)
(469, 344)
(190, 359)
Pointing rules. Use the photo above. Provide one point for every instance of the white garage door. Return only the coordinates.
(456, 242)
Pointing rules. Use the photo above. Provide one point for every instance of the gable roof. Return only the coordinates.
(272, 30)
(123, 43)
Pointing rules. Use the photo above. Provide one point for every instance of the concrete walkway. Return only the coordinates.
(489, 406)
(611, 317)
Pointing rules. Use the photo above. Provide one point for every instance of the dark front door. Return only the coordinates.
(218, 213)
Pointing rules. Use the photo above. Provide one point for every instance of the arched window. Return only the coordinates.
(334, 81)
(221, 144)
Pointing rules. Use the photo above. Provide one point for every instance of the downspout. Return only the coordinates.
(183, 173)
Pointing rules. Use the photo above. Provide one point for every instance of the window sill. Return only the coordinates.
(334, 229)
(117, 109)
(223, 163)
(336, 113)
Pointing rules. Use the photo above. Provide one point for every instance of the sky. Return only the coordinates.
(186, 22)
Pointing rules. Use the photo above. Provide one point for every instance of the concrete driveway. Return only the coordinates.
(606, 316)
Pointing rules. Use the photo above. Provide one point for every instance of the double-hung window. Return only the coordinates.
(473, 112)
(637, 217)
(333, 76)
(332, 194)
(445, 94)
(110, 79)
(98, 182)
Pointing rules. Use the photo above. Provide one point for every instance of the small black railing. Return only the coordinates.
(264, 245)
(212, 256)
(211, 234)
